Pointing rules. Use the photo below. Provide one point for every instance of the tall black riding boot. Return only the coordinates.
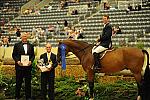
(97, 62)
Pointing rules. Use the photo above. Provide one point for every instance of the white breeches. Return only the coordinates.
(98, 49)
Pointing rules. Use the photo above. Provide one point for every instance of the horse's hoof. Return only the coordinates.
(139, 98)
(91, 99)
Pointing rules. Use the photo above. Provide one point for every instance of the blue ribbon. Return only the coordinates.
(63, 56)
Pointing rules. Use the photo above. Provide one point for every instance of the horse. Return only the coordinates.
(130, 58)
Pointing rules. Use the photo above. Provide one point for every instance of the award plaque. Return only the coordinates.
(25, 60)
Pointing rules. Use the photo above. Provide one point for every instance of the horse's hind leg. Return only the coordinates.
(138, 79)
(146, 85)
(143, 86)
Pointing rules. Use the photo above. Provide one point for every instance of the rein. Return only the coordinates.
(80, 50)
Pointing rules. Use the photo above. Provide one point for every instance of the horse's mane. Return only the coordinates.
(76, 43)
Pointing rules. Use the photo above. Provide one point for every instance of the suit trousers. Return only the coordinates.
(47, 80)
(20, 75)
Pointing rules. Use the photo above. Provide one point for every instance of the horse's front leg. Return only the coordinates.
(91, 83)
(91, 86)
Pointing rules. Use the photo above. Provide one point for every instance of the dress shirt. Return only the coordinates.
(25, 48)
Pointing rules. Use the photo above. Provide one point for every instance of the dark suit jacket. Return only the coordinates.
(18, 51)
(105, 39)
(54, 63)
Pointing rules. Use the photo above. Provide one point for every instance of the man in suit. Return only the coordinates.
(103, 42)
(48, 76)
(23, 70)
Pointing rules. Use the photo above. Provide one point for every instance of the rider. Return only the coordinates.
(103, 42)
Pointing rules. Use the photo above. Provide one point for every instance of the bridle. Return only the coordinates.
(83, 49)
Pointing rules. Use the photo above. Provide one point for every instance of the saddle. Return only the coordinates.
(103, 53)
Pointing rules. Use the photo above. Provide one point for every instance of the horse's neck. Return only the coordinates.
(81, 52)
(78, 53)
(78, 48)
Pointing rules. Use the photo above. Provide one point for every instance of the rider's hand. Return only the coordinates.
(98, 39)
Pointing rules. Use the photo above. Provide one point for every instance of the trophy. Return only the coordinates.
(42, 66)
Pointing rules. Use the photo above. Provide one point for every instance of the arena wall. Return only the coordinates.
(73, 67)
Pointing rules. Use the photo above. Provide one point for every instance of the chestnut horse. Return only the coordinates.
(122, 58)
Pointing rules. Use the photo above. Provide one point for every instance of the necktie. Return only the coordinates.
(48, 57)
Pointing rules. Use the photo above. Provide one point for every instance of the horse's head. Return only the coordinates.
(78, 48)
(59, 51)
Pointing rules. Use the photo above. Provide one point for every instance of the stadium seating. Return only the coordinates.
(132, 24)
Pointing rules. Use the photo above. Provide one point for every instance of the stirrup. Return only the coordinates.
(97, 70)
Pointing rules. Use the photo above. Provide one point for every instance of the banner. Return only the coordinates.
(63, 56)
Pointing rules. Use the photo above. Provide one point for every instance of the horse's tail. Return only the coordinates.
(144, 51)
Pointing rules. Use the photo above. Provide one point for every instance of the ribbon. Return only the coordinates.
(63, 56)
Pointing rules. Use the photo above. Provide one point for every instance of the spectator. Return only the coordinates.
(0, 43)
(74, 12)
(89, 5)
(63, 4)
(0, 34)
(2, 30)
(138, 7)
(39, 31)
(33, 32)
(18, 34)
(49, 8)
(37, 12)
(106, 6)
(2, 22)
(5, 42)
(35, 36)
(11, 30)
(65, 24)
(67, 30)
(57, 29)
(8, 21)
(116, 30)
(9, 38)
(130, 8)
(80, 33)
(51, 28)
(26, 12)
(73, 33)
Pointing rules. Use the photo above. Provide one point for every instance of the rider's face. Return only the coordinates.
(105, 20)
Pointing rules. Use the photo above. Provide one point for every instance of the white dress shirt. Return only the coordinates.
(25, 48)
